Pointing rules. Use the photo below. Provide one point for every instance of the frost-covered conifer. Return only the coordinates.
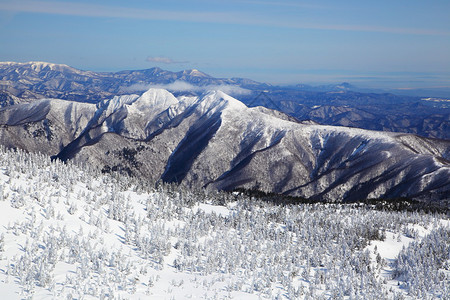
(77, 232)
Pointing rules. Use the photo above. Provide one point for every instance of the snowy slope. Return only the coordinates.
(71, 232)
(215, 140)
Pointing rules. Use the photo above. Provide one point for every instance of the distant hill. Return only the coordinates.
(47, 80)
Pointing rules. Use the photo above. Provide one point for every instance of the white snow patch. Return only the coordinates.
(209, 209)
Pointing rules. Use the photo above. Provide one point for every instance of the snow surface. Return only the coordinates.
(154, 98)
(70, 232)
(38, 66)
(210, 209)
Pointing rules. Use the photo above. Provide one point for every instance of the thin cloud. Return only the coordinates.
(163, 60)
(286, 4)
(362, 28)
(104, 11)
(183, 86)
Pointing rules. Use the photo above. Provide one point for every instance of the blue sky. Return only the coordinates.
(401, 43)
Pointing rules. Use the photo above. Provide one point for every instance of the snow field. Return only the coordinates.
(68, 231)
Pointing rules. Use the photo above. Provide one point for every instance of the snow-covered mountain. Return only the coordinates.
(7, 99)
(341, 104)
(36, 80)
(342, 87)
(216, 141)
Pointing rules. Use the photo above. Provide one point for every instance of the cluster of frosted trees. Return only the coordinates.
(306, 251)
(423, 267)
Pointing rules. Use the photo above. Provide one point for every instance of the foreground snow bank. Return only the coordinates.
(70, 232)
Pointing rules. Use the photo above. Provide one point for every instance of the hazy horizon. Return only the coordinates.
(387, 44)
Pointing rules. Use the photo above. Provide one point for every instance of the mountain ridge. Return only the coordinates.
(48, 80)
(342, 104)
(215, 140)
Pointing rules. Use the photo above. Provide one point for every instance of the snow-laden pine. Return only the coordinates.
(68, 231)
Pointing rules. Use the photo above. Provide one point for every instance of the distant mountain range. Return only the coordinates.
(214, 140)
(342, 87)
(341, 104)
(47, 80)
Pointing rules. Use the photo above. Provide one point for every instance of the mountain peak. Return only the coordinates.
(156, 70)
(152, 102)
(38, 66)
(195, 72)
(156, 96)
(217, 97)
(344, 86)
